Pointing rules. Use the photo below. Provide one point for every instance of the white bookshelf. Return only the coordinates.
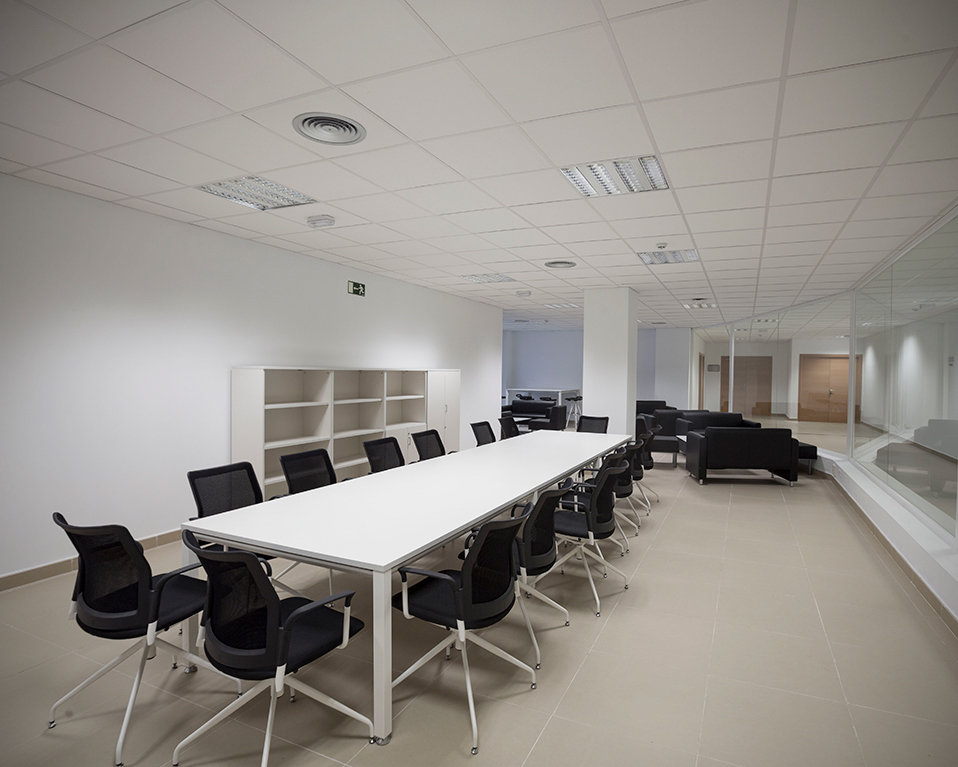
(276, 411)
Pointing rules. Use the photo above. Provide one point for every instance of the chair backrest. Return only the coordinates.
(559, 417)
(484, 433)
(599, 515)
(224, 488)
(537, 543)
(114, 580)
(508, 427)
(489, 571)
(623, 485)
(308, 470)
(597, 424)
(242, 614)
(429, 444)
(383, 454)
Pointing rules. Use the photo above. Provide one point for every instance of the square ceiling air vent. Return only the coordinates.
(256, 192)
(640, 174)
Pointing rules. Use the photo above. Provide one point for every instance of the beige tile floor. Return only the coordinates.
(764, 627)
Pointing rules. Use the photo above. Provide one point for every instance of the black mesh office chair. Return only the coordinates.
(428, 444)
(639, 467)
(464, 601)
(484, 433)
(586, 516)
(227, 488)
(383, 454)
(251, 634)
(307, 470)
(597, 424)
(116, 596)
(508, 427)
(537, 547)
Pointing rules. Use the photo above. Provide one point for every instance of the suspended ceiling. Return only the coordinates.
(804, 142)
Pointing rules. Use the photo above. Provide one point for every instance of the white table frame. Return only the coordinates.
(412, 510)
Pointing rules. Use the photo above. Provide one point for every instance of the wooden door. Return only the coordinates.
(753, 386)
(823, 388)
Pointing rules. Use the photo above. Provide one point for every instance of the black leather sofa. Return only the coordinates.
(649, 406)
(742, 447)
(666, 440)
(531, 408)
(690, 421)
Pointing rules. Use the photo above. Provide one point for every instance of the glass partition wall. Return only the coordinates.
(906, 333)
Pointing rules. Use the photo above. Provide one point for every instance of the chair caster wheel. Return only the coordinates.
(53, 724)
(292, 698)
(538, 666)
(189, 670)
(372, 741)
(626, 586)
(605, 575)
(475, 751)
(598, 614)
(533, 685)
(174, 665)
(566, 623)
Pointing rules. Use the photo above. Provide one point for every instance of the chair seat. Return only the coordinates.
(432, 600)
(313, 635)
(572, 523)
(182, 597)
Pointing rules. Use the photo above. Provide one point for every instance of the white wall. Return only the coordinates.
(609, 356)
(118, 330)
(645, 364)
(673, 365)
(532, 358)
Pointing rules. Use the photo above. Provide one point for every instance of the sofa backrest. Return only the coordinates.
(732, 447)
(531, 407)
(649, 406)
(699, 421)
(667, 418)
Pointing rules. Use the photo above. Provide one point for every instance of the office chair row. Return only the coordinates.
(250, 633)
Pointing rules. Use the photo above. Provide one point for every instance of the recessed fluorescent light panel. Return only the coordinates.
(478, 278)
(561, 306)
(594, 179)
(669, 257)
(256, 192)
(700, 305)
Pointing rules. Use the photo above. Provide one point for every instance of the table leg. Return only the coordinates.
(382, 658)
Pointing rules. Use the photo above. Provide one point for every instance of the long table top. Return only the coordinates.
(381, 521)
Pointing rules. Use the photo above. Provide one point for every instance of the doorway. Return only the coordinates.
(753, 386)
(823, 388)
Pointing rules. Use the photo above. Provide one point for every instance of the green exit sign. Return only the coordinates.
(356, 288)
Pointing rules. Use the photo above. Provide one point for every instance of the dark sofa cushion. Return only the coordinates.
(730, 447)
(649, 406)
(534, 407)
(691, 421)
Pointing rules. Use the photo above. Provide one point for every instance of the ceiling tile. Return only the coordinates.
(54, 117)
(214, 53)
(461, 243)
(944, 101)
(747, 218)
(829, 34)
(322, 34)
(648, 243)
(241, 142)
(164, 158)
(640, 205)
(324, 181)
(456, 197)
(659, 227)
(436, 100)
(803, 233)
(853, 244)
(148, 206)
(935, 138)
(298, 214)
(887, 228)
(599, 230)
(940, 176)
(265, 222)
(745, 113)
(810, 213)
(780, 249)
(432, 226)
(382, 207)
(470, 26)
(111, 175)
(728, 239)
(553, 75)
(490, 152)
(489, 220)
(110, 82)
(70, 184)
(553, 213)
(27, 149)
(836, 150)
(815, 187)
(599, 248)
(29, 38)
(602, 134)
(740, 194)
(8, 166)
(367, 234)
(528, 188)
(408, 248)
(200, 204)
(860, 95)
(517, 238)
(716, 165)
(97, 18)
(399, 167)
(928, 204)
(712, 47)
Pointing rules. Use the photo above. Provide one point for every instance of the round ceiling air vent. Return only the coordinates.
(560, 264)
(328, 128)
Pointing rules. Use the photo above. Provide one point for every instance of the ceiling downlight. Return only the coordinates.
(328, 128)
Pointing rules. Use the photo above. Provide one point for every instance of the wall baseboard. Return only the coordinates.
(41, 573)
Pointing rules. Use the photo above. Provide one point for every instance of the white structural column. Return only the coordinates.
(609, 351)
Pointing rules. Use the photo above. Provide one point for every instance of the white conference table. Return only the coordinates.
(380, 522)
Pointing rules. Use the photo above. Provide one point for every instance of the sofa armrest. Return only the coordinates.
(696, 455)
(682, 427)
(751, 424)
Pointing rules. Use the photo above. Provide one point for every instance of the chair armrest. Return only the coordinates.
(457, 597)
(301, 611)
(161, 583)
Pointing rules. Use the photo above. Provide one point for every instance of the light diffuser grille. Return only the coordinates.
(640, 174)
